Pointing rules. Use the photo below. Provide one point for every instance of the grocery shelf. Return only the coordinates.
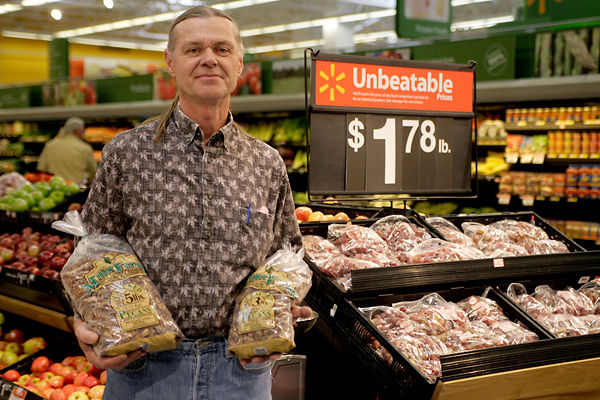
(527, 89)
(43, 315)
(532, 89)
(239, 104)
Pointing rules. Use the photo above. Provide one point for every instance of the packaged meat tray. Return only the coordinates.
(406, 338)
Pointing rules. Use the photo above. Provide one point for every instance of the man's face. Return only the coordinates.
(205, 59)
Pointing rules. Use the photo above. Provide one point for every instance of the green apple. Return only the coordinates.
(19, 205)
(37, 195)
(46, 204)
(9, 357)
(72, 189)
(31, 201)
(14, 347)
(33, 345)
(43, 187)
(57, 182)
(57, 195)
(1, 318)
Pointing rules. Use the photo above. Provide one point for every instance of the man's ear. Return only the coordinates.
(168, 62)
(241, 68)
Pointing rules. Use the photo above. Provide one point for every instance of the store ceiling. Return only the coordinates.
(35, 20)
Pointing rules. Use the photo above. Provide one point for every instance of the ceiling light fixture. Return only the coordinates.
(6, 8)
(56, 14)
(108, 4)
(33, 3)
(168, 16)
(458, 3)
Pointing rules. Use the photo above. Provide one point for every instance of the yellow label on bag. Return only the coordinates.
(256, 312)
(111, 269)
(132, 305)
(272, 278)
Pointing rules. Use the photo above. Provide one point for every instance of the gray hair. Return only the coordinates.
(73, 124)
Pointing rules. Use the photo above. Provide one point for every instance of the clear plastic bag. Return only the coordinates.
(399, 233)
(12, 181)
(450, 231)
(262, 317)
(109, 288)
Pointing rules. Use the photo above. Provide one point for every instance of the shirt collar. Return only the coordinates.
(191, 130)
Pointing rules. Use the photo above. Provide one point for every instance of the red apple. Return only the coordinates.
(55, 368)
(68, 389)
(82, 388)
(48, 392)
(58, 394)
(18, 265)
(51, 274)
(12, 375)
(103, 377)
(96, 392)
(57, 262)
(75, 360)
(69, 373)
(33, 270)
(303, 212)
(14, 335)
(45, 255)
(57, 381)
(91, 381)
(3, 344)
(67, 361)
(40, 364)
(79, 378)
(42, 385)
(81, 365)
(93, 370)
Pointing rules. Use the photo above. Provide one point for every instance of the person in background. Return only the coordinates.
(68, 155)
(202, 204)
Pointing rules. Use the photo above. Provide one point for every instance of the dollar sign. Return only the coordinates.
(357, 140)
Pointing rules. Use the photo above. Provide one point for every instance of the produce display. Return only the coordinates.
(427, 328)
(39, 196)
(568, 312)
(307, 214)
(73, 378)
(14, 346)
(262, 318)
(108, 285)
(42, 254)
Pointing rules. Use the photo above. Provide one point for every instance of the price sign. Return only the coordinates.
(401, 127)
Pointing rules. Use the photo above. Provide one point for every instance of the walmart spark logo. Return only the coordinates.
(334, 85)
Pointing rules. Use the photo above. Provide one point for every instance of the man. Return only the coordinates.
(68, 155)
(202, 204)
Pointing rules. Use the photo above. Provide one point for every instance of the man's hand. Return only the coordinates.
(87, 338)
(297, 312)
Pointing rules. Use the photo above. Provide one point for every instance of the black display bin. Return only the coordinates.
(401, 379)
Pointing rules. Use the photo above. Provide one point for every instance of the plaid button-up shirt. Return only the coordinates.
(200, 219)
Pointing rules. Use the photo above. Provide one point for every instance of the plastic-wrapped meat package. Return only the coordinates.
(518, 293)
(563, 325)
(513, 333)
(545, 246)
(578, 304)
(591, 323)
(517, 231)
(482, 309)
(399, 233)
(339, 267)
(591, 290)
(450, 231)
(319, 249)
(555, 303)
(438, 250)
(434, 315)
(474, 230)
(356, 239)
(478, 336)
(381, 258)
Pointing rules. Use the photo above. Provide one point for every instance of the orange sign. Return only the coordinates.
(345, 84)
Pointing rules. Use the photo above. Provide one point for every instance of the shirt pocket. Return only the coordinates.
(242, 234)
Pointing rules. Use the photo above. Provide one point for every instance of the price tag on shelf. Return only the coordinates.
(17, 393)
(390, 126)
(527, 200)
(511, 158)
(538, 158)
(504, 198)
(526, 158)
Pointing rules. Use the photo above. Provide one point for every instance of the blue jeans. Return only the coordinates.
(195, 370)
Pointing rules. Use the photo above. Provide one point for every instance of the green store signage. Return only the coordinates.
(560, 10)
(419, 18)
(495, 57)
